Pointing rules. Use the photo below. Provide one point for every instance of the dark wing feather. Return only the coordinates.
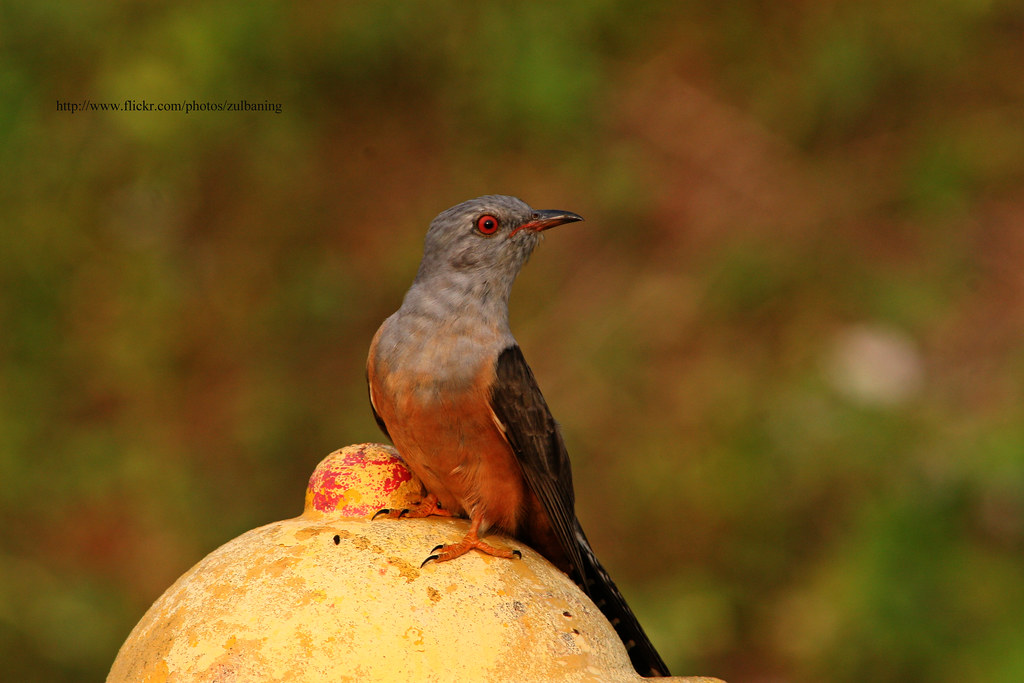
(376, 415)
(523, 415)
(534, 436)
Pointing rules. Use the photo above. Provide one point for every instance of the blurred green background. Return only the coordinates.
(786, 348)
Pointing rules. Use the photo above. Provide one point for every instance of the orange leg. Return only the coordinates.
(443, 553)
(425, 508)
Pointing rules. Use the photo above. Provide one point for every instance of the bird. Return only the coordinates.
(450, 388)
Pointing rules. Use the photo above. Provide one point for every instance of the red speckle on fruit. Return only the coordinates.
(399, 475)
(325, 488)
(357, 481)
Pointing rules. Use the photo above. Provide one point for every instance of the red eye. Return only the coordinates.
(488, 224)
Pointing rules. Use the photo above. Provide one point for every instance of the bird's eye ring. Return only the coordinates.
(487, 224)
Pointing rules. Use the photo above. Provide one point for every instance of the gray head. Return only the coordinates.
(484, 242)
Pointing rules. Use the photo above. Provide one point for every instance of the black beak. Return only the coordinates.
(542, 220)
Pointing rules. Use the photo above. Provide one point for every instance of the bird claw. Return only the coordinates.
(445, 552)
(428, 507)
(390, 513)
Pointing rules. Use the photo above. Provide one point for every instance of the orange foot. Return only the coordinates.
(443, 553)
(425, 508)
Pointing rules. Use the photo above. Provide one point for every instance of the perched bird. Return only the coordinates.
(451, 389)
